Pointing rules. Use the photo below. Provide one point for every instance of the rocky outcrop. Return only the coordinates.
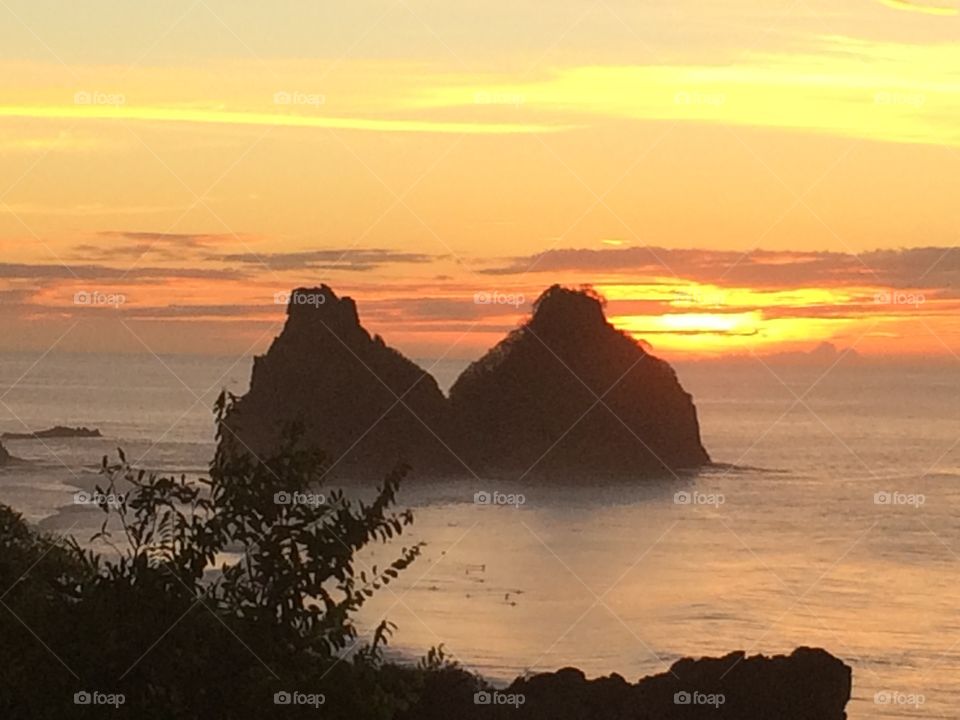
(809, 684)
(5, 457)
(566, 393)
(56, 432)
(361, 402)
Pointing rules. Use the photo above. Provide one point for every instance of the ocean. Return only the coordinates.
(830, 520)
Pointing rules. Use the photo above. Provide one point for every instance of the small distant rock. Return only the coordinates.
(58, 431)
(826, 354)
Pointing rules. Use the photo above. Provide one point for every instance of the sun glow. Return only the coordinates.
(706, 334)
(708, 319)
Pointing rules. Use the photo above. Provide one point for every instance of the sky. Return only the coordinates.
(734, 179)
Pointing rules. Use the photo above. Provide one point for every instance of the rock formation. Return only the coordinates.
(809, 684)
(566, 393)
(58, 431)
(359, 401)
(5, 457)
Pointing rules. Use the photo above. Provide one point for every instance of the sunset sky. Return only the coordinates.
(734, 177)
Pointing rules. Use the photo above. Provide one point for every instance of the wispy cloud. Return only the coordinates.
(328, 259)
(905, 92)
(835, 85)
(98, 272)
(83, 210)
(116, 245)
(932, 267)
(265, 119)
(921, 7)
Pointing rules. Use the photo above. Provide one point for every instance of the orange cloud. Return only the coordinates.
(714, 303)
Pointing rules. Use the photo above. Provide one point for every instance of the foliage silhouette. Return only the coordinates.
(152, 621)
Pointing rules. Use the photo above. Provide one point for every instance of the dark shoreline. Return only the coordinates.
(808, 684)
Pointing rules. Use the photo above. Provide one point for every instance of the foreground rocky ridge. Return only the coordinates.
(564, 393)
(809, 684)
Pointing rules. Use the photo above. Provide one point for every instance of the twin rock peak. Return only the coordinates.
(564, 394)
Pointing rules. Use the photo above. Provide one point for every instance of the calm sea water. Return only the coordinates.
(785, 544)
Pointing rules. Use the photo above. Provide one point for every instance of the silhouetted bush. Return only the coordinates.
(153, 622)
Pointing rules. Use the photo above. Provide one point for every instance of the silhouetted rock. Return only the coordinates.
(58, 431)
(359, 401)
(810, 684)
(567, 392)
(564, 393)
(5, 457)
